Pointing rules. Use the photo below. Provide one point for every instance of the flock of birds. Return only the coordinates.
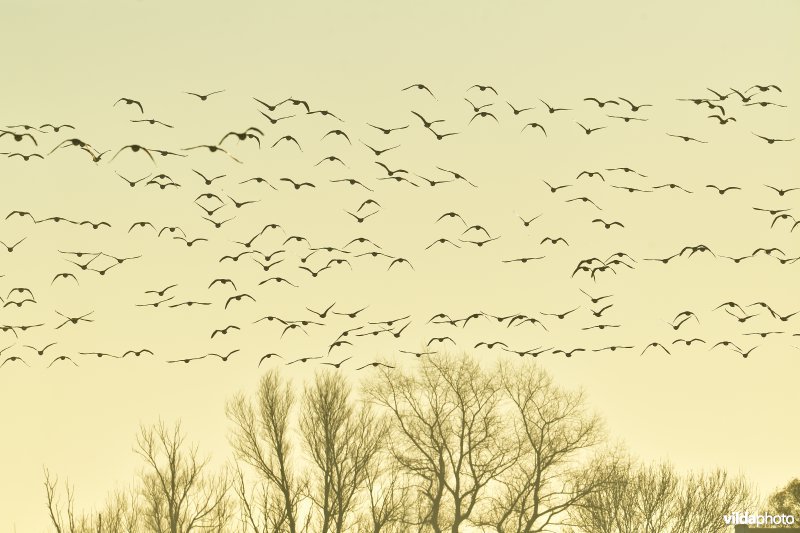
(291, 259)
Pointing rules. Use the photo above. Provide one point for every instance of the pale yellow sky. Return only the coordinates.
(69, 63)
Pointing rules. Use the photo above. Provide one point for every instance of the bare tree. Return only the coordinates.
(707, 496)
(262, 510)
(553, 431)
(449, 433)
(53, 507)
(656, 492)
(119, 515)
(262, 439)
(180, 495)
(656, 499)
(786, 500)
(388, 492)
(343, 439)
(66, 520)
(607, 509)
(443, 447)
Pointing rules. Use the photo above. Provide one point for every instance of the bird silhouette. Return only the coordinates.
(425, 122)
(421, 87)
(483, 114)
(322, 314)
(238, 298)
(476, 109)
(440, 136)
(518, 111)
(634, 107)
(268, 356)
(13, 358)
(187, 360)
(771, 140)
(585, 200)
(298, 185)
(483, 88)
(339, 364)
(782, 192)
(722, 120)
(204, 97)
(130, 101)
(212, 148)
(379, 152)
(62, 358)
(552, 110)
(152, 122)
(224, 358)
(686, 138)
(600, 103)
(628, 119)
(387, 131)
(723, 190)
(534, 125)
(552, 240)
(374, 364)
(303, 360)
(562, 316)
(11, 247)
(589, 131)
(568, 353)
(655, 345)
(746, 354)
(224, 331)
(19, 137)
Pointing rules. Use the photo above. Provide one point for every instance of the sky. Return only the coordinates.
(72, 62)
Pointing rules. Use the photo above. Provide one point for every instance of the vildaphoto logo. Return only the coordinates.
(757, 519)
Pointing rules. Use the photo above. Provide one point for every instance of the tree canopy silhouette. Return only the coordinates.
(451, 444)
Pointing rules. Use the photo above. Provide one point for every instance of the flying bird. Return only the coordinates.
(421, 87)
(204, 97)
(687, 138)
(130, 101)
(551, 109)
(771, 140)
(534, 125)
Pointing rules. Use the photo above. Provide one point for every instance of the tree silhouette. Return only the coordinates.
(449, 445)
(656, 498)
(449, 433)
(786, 500)
(180, 495)
(177, 493)
(554, 429)
(343, 441)
(262, 439)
